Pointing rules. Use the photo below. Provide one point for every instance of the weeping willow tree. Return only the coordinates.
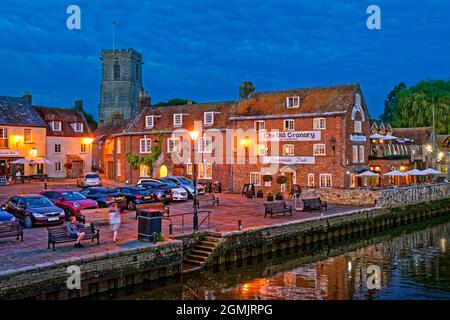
(413, 107)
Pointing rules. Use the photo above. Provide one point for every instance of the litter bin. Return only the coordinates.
(149, 222)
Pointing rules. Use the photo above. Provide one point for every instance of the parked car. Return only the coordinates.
(70, 201)
(160, 191)
(135, 195)
(178, 193)
(186, 184)
(6, 217)
(105, 196)
(90, 180)
(34, 209)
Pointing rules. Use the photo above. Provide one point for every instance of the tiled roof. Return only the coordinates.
(16, 111)
(420, 135)
(334, 99)
(194, 112)
(67, 117)
(113, 128)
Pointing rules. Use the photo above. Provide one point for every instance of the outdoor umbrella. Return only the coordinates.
(43, 161)
(21, 161)
(368, 174)
(415, 172)
(390, 137)
(430, 171)
(376, 136)
(395, 173)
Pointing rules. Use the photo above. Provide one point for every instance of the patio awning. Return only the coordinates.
(430, 171)
(74, 158)
(22, 161)
(415, 172)
(395, 173)
(390, 137)
(368, 174)
(376, 136)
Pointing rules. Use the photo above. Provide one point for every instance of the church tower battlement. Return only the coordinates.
(121, 84)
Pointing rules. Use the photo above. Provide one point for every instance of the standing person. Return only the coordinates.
(114, 220)
(73, 231)
(18, 175)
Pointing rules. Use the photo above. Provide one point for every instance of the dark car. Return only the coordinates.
(135, 196)
(6, 217)
(70, 201)
(34, 209)
(160, 191)
(105, 196)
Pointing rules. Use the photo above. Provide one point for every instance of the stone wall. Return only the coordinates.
(100, 272)
(416, 194)
(357, 197)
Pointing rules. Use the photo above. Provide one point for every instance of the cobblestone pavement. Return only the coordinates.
(15, 254)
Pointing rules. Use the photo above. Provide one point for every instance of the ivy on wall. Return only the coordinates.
(148, 160)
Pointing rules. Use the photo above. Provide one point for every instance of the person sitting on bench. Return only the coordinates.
(73, 231)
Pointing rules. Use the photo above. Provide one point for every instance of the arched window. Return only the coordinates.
(116, 71)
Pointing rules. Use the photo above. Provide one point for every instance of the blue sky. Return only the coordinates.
(203, 49)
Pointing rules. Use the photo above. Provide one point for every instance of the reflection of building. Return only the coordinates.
(68, 141)
(22, 136)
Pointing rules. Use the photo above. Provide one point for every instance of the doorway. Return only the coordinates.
(163, 171)
(110, 170)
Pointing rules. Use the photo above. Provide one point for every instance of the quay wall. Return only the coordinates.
(392, 197)
(100, 272)
(259, 241)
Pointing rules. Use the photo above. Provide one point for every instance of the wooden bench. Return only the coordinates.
(153, 206)
(11, 229)
(207, 198)
(59, 234)
(314, 204)
(276, 208)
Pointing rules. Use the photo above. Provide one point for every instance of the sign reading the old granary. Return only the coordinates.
(290, 136)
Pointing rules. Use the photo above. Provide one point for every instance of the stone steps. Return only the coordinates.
(200, 253)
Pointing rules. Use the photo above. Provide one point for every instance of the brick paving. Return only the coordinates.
(15, 254)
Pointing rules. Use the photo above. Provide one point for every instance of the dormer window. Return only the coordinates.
(56, 125)
(149, 122)
(292, 102)
(178, 119)
(78, 127)
(209, 118)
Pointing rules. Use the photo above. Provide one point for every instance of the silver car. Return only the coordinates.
(90, 180)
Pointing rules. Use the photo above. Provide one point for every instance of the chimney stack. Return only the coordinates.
(26, 95)
(78, 105)
(144, 100)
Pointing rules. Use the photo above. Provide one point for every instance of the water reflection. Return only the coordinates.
(413, 264)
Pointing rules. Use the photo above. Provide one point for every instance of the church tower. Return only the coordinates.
(121, 85)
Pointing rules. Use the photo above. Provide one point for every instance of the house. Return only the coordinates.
(314, 137)
(69, 141)
(22, 136)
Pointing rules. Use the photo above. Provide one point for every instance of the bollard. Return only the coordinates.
(171, 229)
(45, 184)
(239, 224)
(154, 237)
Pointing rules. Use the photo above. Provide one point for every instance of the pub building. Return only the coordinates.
(314, 137)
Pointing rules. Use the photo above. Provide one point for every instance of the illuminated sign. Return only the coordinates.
(358, 138)
(290, 136)
(289, 160)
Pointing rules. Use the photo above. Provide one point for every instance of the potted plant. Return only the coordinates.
(279, 196)
(260, 194)
(250, 193)
(267, 178)
(270, 197)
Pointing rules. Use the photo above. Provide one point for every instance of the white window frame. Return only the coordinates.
(118, 146)
(361, 154)
(295, 102)
(328, 178)
(205, 117)
(149, 122)
(177, 116)
(318, 148)
(56, 125)
(83, 146)
(260, 150)
(253, 174)
(311, 178)
(355, 157)
(144, 171)
(60, 148)
(189, 168)
(176, 143)
(358, 126)
(118, 169)
(258, 127)
(147, 145)
(291, 150)
(319, 123)
(288, 127)
(58, 166)
(4, 133)
(203, 146)
(78, 127)
(24, 136)
(203, 171)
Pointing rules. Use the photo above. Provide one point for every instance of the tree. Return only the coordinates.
(174, 102)
(245, 89)
(93, 125)
(390, 103)
(413, 107)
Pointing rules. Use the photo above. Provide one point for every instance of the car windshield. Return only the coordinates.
(92, 176)
(185, 181)
(38, 202)
(139, 191)
(169, 183)
(107, 191)
(72, 196)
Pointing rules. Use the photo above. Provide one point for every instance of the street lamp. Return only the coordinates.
(194, 136)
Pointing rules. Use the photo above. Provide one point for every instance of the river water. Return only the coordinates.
(414, 263)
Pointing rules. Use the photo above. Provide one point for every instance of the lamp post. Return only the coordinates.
(194, 136)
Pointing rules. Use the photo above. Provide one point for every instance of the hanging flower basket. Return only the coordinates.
(267, 178)
(281, 180)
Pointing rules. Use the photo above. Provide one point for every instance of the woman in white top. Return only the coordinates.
(114, 220)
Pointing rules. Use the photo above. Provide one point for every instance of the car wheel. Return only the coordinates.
(28, 223)
(67, 213)
(131, 205)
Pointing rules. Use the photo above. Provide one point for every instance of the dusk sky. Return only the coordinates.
(203, 49)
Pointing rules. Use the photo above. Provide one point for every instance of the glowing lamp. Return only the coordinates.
(194, 134)
(88, 140)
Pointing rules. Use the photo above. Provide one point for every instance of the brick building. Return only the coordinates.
(315, 137)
